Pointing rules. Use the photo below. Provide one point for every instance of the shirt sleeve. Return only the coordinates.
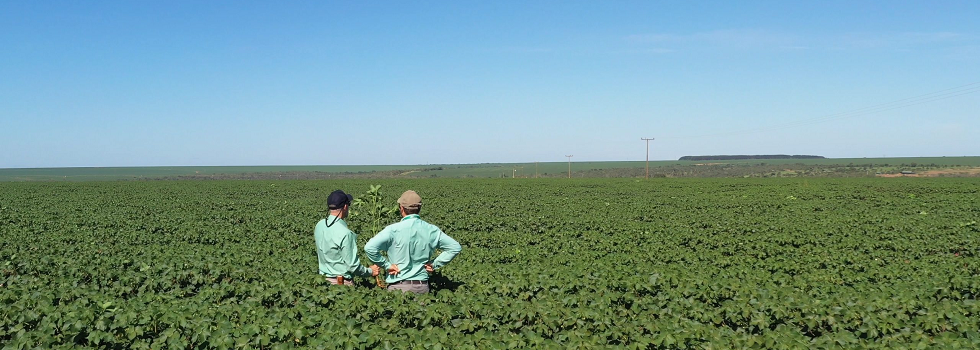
(377, 244)
(450, 248)
(353, 262)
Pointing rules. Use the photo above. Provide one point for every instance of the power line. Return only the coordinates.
(648, 154)
(570, 165)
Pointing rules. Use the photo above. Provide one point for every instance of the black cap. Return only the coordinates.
(338, 199)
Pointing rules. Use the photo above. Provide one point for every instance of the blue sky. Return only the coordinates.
(147, 83)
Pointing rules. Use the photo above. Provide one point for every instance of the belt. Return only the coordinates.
(408, 282)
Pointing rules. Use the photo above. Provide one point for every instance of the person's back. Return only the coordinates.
(410, 244)
(336, 245)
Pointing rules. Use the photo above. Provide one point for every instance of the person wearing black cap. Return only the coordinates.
(336, 245)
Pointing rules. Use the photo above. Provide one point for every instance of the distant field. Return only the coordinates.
(135, 173)
(486, 170)
(559, 168)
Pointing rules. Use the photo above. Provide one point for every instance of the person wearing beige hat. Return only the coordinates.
(410, 244)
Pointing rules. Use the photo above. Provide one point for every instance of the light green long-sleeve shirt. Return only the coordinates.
(336, 249)
(410, 243)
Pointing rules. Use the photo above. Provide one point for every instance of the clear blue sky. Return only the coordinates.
(146, 83)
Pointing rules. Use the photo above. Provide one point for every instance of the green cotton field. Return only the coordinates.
(546, 263)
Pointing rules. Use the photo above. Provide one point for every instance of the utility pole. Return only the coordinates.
(570, 165)
(535, 170)
(648, 154)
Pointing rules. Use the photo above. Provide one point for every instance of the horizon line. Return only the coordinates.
(433, 164)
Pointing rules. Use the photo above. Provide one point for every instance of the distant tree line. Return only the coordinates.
(757, 156)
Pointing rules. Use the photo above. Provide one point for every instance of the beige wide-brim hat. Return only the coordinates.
(410, 199)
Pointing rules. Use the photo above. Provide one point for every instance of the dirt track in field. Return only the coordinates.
(957, 172)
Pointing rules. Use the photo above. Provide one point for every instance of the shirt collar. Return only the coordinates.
(412, 216)
(330, 218)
